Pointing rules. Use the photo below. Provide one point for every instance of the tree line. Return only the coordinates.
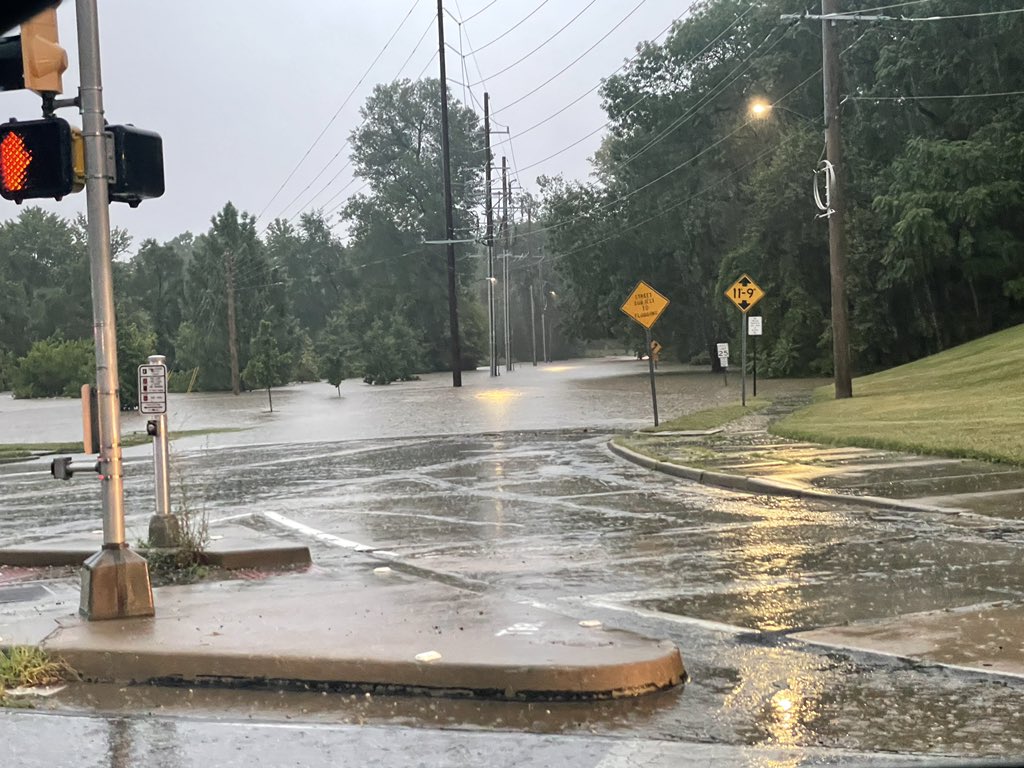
(692, 189)
(245, 306)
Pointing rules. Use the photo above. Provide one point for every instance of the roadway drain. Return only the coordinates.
(22, 593)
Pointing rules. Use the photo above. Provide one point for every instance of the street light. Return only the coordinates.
(759, 109)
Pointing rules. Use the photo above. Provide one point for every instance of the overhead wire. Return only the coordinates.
(334, 117)
(716, 91)
(507, 31)
(531, 53)
(302, 209)
(635, 103)
(575, 61)
(345, 143)
(938, 96)
(694, 157)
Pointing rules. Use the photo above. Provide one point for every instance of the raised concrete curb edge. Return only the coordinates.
(284, 556)
(761, 485)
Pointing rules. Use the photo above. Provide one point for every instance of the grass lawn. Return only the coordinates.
(967, 401)
(711, 418)
(21, 451)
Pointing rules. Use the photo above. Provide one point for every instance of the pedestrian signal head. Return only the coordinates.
(40, 159)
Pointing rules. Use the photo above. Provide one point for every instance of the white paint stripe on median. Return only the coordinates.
(305, 530)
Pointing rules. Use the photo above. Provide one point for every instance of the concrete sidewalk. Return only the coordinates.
(366, 626)
(986, 497)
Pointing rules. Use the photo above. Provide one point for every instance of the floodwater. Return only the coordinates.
(551, 517)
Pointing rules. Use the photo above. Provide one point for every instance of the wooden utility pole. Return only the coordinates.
(236, 384)
(449, 226)
(492, 340)
(533, 309)
(837, 217)
(504, 260)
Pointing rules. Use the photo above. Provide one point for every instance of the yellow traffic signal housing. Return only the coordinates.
(43, 59)
(40, 159)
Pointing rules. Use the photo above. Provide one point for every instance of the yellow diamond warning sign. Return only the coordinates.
(645, 304)
(744, 293)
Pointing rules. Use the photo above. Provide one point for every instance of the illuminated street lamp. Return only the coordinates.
(759, 109)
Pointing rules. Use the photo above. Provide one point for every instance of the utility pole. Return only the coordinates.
(115, 580)
(229, 269)
(492, 340)
(504, 258)
(837, 219)
(449, 234)
(533, 310)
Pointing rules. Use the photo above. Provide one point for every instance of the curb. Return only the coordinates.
(771, 487)
(258, 558)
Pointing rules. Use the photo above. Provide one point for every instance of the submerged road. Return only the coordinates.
(555, 519)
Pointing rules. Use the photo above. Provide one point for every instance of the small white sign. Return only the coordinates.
(153, 389)
(754, 325)
(723, 350)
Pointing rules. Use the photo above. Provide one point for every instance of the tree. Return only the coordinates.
(267, 367)
(397, 150)
(229, 260)
(54, 368)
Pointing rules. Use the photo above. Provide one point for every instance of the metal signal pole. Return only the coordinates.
(837, 219)
(115, 580)
(449, 234)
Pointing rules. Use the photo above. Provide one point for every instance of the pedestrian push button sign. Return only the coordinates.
(744, 293)
(645, 305)
(153, 389)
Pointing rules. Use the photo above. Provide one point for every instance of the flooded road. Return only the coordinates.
(554, 519)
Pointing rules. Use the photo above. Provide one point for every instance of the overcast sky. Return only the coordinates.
(239, 89)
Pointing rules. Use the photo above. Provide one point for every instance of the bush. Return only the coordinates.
(54, 367)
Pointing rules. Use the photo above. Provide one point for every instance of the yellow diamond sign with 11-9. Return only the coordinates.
(744, 293)
(645, 304)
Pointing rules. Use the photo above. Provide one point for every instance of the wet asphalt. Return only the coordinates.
(554, 519)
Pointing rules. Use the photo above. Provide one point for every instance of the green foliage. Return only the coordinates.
(134, 346)
(389, 351)
(54, 368)
(692, 192)
(267, 367)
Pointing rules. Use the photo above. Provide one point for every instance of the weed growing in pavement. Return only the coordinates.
(183, 564)
(25, 666)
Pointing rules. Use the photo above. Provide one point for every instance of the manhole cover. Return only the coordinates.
(23, 593)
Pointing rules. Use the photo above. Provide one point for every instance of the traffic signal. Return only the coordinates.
(33, 60)
(40, 159)
(138, 172)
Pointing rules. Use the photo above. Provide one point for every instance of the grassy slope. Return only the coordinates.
(710, 418)
(966, 401)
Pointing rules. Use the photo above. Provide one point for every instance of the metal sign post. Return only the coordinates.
(115, 580)
(645, 306)
(723, 361)
(744, 293)
(755, 326)
(163, 526)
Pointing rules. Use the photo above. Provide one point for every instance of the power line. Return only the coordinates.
(623, 66)
(862, 16)
(575, 61)
(468, 18)
(682, 119)
(507, 31)
(622, 230)
(585, 93)
(347, 141)
(556, 34)
(938, 96)
(699, 154)
(338, 112)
